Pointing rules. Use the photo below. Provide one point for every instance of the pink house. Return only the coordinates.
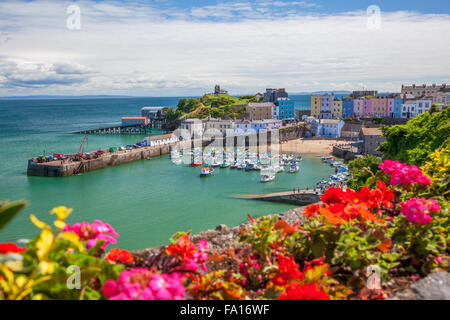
(367, 109)
(390, 107)
(379, 107)
(358, 106)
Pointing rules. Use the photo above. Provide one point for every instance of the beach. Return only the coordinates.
(311, 146)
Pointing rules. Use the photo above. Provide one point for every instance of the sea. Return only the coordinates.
(145, 201)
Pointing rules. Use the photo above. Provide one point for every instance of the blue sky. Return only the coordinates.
(320, 6)
(168, 47)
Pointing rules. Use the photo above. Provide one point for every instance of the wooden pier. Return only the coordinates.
(118, 130)
(302, 198)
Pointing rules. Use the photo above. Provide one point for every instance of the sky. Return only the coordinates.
(183, 47)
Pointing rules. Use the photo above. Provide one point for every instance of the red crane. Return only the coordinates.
(82, 144)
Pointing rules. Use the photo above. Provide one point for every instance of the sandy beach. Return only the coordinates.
(311, 146)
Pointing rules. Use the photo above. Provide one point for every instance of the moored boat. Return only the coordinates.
(267, 178)
(206, 171)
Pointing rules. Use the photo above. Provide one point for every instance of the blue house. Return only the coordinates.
(398, 107)
(347, 108)
(286, 109)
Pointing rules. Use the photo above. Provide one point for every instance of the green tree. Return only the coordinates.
(418, 138)
(362, 169)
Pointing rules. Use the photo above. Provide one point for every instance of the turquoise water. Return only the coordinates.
(145, 201)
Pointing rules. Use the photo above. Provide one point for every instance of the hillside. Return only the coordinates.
(222, 106)
(413, 142)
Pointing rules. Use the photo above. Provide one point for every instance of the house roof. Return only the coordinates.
(134, 118)
(261, 104)
(330, 121)
(371, 132)
(352, 127)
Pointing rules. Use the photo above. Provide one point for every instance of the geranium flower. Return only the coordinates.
(91, 233)
(403, 174)
(311, 210)
(287, 270)
(419, 210)
(307, 291)
(333, 195)
(9, 247)
(189, 254)
(143, 284)
(123, 255)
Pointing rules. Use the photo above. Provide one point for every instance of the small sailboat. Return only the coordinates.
(206, 171)
(267, 178)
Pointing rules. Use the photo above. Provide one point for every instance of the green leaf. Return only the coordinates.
(9, 210)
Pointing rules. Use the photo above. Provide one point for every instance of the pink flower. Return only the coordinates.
(110, 288)
(419, 210)
(143, 284)
(403, 174)
(91, 233)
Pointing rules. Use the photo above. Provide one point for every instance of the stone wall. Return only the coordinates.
(343, 153)
(55, 169)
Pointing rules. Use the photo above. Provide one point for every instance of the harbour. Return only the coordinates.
(63, 165)
(146, 200)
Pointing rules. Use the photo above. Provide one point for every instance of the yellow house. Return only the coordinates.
(336, 109)
(315, 106)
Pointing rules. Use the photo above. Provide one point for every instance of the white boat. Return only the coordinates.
(206, 171)
(216, 164)
(278, 169)
(225, 164)
(267, 178)
(294, 169)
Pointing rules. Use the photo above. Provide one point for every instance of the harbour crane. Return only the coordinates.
(82, 144)
(79, 156)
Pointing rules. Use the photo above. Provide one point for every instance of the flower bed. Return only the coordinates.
(348, 247)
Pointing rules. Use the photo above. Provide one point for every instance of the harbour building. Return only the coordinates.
(326, 101)
(286, 109)
(152, 112)
(315, 105)
(336, 109)
(134, 121)
(272, 95)
(347, 108)
(419, 91)
(260, 110)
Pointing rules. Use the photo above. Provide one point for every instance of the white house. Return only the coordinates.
(193, 126)
(330, 127)
(409, 110)
(243, 127)
(423, 105)
(210, 124)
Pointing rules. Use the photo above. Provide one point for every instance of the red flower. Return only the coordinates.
(308, 291)
(333, 195)
(286, 227)
(287, 270)
(311, 210)
(10, 248)
(250, 217)
(117, 254)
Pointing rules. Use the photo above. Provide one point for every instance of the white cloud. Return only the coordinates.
(139, 49)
